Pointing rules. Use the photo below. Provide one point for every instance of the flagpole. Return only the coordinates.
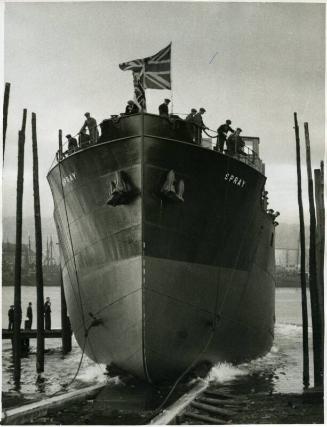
(144, 110)
(171, 80)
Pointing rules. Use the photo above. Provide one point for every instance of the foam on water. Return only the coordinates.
(280, 370)
(289, 329)
(223, 372)
(92, 373)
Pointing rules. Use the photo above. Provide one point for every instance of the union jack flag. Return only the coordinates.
(139, 92)
(155, 69)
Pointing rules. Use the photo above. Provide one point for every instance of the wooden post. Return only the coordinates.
(5, 116)
(38, 254)
(18, 252)
(322, 255)
(60, 144)
(65, 323)
(314, 293)
(319, 197)
(305, 345)
(320, 245)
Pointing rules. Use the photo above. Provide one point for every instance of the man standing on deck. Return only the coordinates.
(198, 120)
(190, 117)
(92, 126)
(163, 108)
(83, 139)
(131, 108)
(47, 314)
(72, 143)
(222, 135)
(11, 314)
(235, 143)
(29, 315)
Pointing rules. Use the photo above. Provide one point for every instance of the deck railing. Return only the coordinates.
(166, 127)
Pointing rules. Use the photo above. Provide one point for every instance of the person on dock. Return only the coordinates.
(72, 143)
(198, 120)
(222, 135)
(163, 108)
(190, 117)
(47, 314)
(29, 315)
(11, 315)
(92, 126)
(131, 108)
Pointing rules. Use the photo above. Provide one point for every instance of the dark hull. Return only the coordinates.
(173, 283)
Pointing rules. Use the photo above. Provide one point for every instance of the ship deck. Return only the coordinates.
(170, 129)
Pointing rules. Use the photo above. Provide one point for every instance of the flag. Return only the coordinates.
(157, 70)
(139, 93)
(154, 71)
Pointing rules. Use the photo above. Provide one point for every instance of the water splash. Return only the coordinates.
(224, 372)
(290, 329)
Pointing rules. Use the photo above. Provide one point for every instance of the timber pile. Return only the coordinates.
(213, 406)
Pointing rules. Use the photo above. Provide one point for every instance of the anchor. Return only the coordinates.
(122, 191)
(168, 190)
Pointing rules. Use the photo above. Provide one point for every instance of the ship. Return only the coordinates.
(51, 270)
(167, 248)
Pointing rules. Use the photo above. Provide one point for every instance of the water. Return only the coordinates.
(279, 371)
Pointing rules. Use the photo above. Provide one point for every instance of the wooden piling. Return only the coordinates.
(5, 116)
(314, 291)
(320, 230)
(18, 252)
(305, 342)
(38, 253)
(60, 144)
(65, 323)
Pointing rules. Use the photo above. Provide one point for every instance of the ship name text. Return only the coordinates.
(69, 178)
(236, 180)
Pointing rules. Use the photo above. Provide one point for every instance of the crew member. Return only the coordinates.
(198, 120)
(29, 315)
(235, 143)
(222, 135)
(190, 117)
(47, 314)
(163, 108)
(131, 108)
(72, 143)
(91, 124)
(83, 138)
(11, 315)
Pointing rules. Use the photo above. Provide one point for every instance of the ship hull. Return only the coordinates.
(172, 282)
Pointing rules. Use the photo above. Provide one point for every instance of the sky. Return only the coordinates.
(253, 63)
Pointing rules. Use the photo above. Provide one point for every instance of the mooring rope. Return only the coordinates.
(159, 408)
(72, 247)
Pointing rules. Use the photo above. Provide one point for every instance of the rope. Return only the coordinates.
(94, 322)
(157, 410)
(72, 247)
(196, 359)
(210, 136)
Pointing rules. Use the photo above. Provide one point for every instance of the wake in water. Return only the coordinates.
(280, 370)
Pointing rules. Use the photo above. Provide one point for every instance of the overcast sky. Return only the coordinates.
(254, 63)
